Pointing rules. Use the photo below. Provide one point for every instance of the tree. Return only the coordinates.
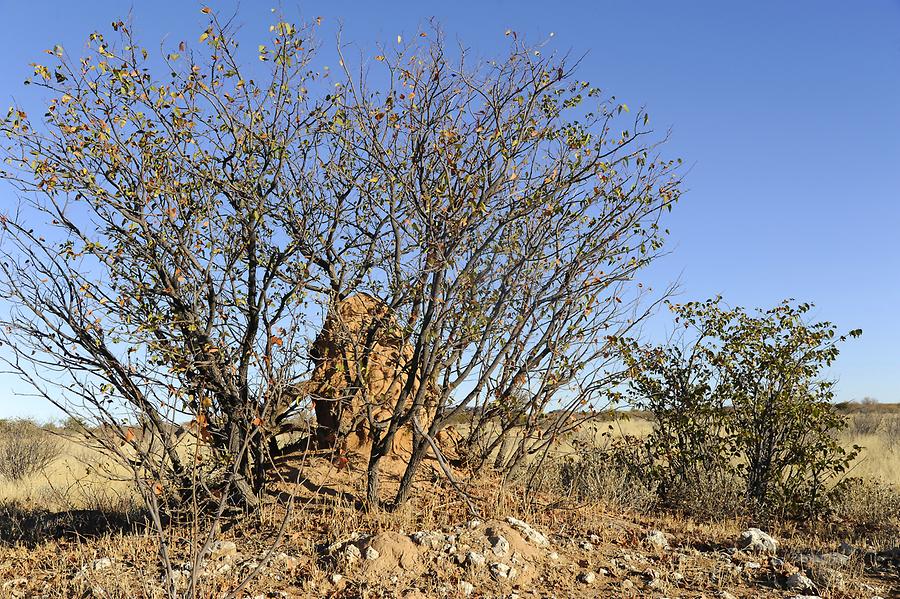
(191, 224)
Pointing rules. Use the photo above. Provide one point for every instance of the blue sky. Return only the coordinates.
(787, 112)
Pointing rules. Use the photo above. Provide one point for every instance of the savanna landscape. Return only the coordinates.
(384, 327)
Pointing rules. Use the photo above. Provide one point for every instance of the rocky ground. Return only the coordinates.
(502, 557)
(513, 559)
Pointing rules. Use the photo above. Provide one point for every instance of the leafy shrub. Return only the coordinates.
(740, 400)
(26, 450)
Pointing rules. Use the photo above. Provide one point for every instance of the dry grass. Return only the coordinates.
(879, 436)
(877, 432)
(79, 478)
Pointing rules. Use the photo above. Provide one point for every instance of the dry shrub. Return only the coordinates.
(712, 495)
(869, 504)
(890, 431)
(865, 423)
(25, 449)
(595, 475)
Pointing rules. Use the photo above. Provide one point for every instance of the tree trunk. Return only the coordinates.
(372, 482)
(406, 483)
(246, 479)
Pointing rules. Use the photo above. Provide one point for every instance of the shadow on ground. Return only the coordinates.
(23, 526)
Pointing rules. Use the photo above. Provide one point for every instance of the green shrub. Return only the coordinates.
(739, 401)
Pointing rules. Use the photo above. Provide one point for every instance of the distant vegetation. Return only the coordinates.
(25, 449)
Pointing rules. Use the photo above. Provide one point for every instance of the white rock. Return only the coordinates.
(351, 554)
(833, 559)
(587, 577)
(530, 533)
(831, 579)
(553, 555)
(753, 565)
(475, 559)
(429, 539)
(372, 553)
(799, 582)
(502, 571)
(336, 578)
(286, 561)
(753, 539)
(500, 546)
(466, 588)
(657, 539)
(101, 564)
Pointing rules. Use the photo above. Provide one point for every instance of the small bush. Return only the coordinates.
(714, 495)
(26, 450)
(596, 474)
(864, 423)
(867, 504)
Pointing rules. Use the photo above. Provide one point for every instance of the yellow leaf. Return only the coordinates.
(379, 58)
(205, 10)
(203, 36)
(399, 39)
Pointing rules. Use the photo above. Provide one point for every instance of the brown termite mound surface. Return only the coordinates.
(362, 363)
